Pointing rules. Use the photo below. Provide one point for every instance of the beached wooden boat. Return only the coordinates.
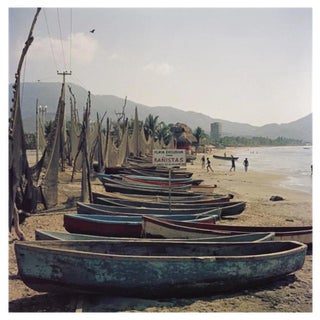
(246, 237)
(163, 172)
(152, 187)
(154, 269)
(127, 189)
(162, 180)
(227, 208)
(224, 157)
(116, 225)
(149, 179)
(150, 171)
(201, 198)
(193, 213)
(103, 225)
(156, 226)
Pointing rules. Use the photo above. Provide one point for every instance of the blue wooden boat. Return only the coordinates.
(193, 213)
(248, 237)
(154, 269)
(129, 189)
(227, 208)
(149, 171)
(148, 187)
(201, 198)
(148, 179)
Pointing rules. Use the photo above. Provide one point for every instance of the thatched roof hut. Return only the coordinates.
(183, 136)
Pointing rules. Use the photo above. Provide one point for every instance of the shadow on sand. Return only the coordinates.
(105, 303)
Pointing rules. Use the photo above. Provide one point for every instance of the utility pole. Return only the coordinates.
(37, 131)
(64, 131)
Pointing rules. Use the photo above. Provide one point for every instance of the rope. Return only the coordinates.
(50, 38)
(70, 37)
(64, 60)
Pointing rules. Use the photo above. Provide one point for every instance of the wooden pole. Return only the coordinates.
(37, 131)
(170, 190)
(64, 131)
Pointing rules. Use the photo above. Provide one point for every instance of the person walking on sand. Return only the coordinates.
(233, 164)
(246, 164)
(209, 165)
(203, 161)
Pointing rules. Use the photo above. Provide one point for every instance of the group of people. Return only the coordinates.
(207, 163)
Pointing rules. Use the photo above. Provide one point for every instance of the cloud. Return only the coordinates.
(114, 57)
(79, 49)
(84, 48)
(159, 68)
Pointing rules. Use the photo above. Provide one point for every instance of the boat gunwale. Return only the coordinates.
(299, 247)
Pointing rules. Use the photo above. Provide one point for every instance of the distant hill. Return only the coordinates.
(48, 94)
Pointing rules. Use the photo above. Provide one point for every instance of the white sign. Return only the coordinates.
(169, 157)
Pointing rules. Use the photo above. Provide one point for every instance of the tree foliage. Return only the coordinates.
(163, 132)
(257, 141)
(198, 134)
(150, 126)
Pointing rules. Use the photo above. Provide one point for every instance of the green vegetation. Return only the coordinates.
(163, 131)
(198, 134)
(30, 140)
(258, 141)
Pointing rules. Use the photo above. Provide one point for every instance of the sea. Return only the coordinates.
(293, 161)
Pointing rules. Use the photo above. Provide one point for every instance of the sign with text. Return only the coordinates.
(169, 157)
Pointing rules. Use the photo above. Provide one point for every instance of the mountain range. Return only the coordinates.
(48, 94)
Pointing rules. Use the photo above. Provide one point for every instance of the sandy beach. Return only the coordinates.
(290, 294)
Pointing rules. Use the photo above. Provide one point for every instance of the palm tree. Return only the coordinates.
(198, 134)
(150, 126)
(163, 132)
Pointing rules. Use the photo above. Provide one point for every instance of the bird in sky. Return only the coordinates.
(93, 30)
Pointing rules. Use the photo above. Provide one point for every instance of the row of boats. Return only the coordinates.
(163, 243)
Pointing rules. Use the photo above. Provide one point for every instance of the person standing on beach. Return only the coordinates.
(246, 164)
(203, 161)
(233, 164)
(209, 165)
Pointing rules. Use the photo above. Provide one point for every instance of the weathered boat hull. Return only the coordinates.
(193, 213)
(113, 187)
(116, 225)
(166, 228)
(293, 233)
(227, 208)
(102, 226)
(127, 183)
(153, 269)
(248, 237)
(199, 199)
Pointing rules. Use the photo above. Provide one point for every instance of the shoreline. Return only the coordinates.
(290, 181)
(256, 188)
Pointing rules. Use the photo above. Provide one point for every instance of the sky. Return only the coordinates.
(250, 65)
